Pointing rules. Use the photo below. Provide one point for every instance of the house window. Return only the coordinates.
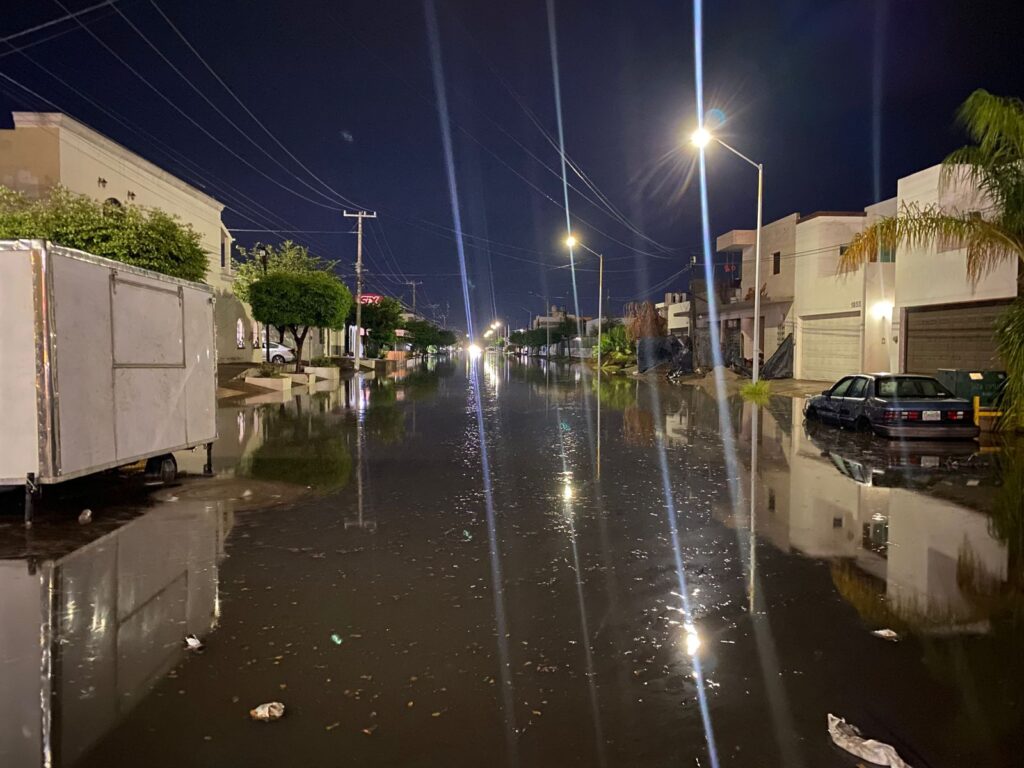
(776, 262)
(887, 255)
(223, 252)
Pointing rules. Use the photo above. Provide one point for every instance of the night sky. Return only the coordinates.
(837, 99)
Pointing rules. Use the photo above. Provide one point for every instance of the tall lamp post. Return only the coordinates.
(701, 138)
(571, 242)
(266, 327)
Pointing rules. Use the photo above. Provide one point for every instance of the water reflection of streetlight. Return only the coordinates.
(692, 639)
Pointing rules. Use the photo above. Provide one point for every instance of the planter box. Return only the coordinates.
(279, 383)
(301, 379)
(329, 372)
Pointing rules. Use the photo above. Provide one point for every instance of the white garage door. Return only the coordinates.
(830, 346)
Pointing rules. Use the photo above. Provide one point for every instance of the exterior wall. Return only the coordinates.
(879, 348)
(778, 236)
(29, 161)
(818, 288)
(928, 276)
(45, 149)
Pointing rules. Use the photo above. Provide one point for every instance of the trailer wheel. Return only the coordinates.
(163, 468)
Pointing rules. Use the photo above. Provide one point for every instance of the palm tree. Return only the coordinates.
(993, 165)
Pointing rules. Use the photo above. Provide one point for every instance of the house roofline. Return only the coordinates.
(62, 121)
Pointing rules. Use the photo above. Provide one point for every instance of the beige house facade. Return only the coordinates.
(46, 149)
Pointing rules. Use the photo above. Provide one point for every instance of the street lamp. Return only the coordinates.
(572, 242)
(700, 139)
(266, 328)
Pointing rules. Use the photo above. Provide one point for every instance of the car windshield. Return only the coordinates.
(906, 387)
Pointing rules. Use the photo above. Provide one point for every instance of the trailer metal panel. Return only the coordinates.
(120, 363)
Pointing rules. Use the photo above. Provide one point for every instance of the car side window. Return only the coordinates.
(858, 388)
(839, 390)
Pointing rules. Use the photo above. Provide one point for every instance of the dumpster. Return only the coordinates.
(987, 386)
(104, 365)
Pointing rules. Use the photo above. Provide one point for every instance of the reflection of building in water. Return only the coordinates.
(923, 554)
(85, 636)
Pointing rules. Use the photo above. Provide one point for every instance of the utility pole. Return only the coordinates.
(359, 216)
(414, 283)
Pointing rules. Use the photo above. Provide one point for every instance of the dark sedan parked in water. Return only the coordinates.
(894, 406)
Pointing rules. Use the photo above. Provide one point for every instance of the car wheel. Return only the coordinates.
(277, 359)
(812, 414)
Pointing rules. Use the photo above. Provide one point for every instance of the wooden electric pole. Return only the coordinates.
(414, 283)
(359, 216)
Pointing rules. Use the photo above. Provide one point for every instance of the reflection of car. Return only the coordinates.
(279, 353)
(916, 465)
(894, 406)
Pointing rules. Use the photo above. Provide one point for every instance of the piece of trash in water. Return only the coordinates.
(466, 535)
(337, 639)
(246, 493)
(85, 517)
(193, 643)
(849, 737)
(369, 731)
(332, 726)
(887, 634)
(272, 710)
(435, 714)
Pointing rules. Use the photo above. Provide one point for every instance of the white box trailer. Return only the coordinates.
(101, 365)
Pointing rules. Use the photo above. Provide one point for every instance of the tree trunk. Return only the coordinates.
(300, 339)
(280, 334)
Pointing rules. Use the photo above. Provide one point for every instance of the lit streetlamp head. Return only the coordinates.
(570, 241)
(700, 138)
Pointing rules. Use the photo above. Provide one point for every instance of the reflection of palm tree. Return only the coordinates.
(994, 165)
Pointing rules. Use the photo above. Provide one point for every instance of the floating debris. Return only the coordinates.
(193, 643)
(337, 639)
(86, 517)
(849, 737)
(887, 634)
(272, 710)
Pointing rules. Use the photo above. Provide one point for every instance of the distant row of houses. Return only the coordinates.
(910, 310)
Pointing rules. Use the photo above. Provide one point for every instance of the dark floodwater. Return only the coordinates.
(365, 597)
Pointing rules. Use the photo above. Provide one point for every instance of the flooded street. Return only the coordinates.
(558, 573)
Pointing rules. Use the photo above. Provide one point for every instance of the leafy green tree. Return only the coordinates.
(994, 164)
(142, 237)
(422, 335)
(288, 258)
(380, 321)
(300, 302)
(446, 338)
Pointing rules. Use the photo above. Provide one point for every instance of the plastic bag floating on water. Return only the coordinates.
(193, 643)
(887, 634)
(272, 710)
(849, 738)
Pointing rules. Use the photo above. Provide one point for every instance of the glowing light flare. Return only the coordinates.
(567, 492)
(475, 351)
(692, 639)
(882, 309)
(701, 138)
(570, 242)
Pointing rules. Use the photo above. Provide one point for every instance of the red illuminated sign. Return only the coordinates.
(370, 298)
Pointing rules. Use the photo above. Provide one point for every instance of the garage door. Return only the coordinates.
(830, 346)
(952, 337)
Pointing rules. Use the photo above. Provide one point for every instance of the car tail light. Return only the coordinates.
(954, 415)
(891, 415)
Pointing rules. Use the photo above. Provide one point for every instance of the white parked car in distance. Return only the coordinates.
(279, 353)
